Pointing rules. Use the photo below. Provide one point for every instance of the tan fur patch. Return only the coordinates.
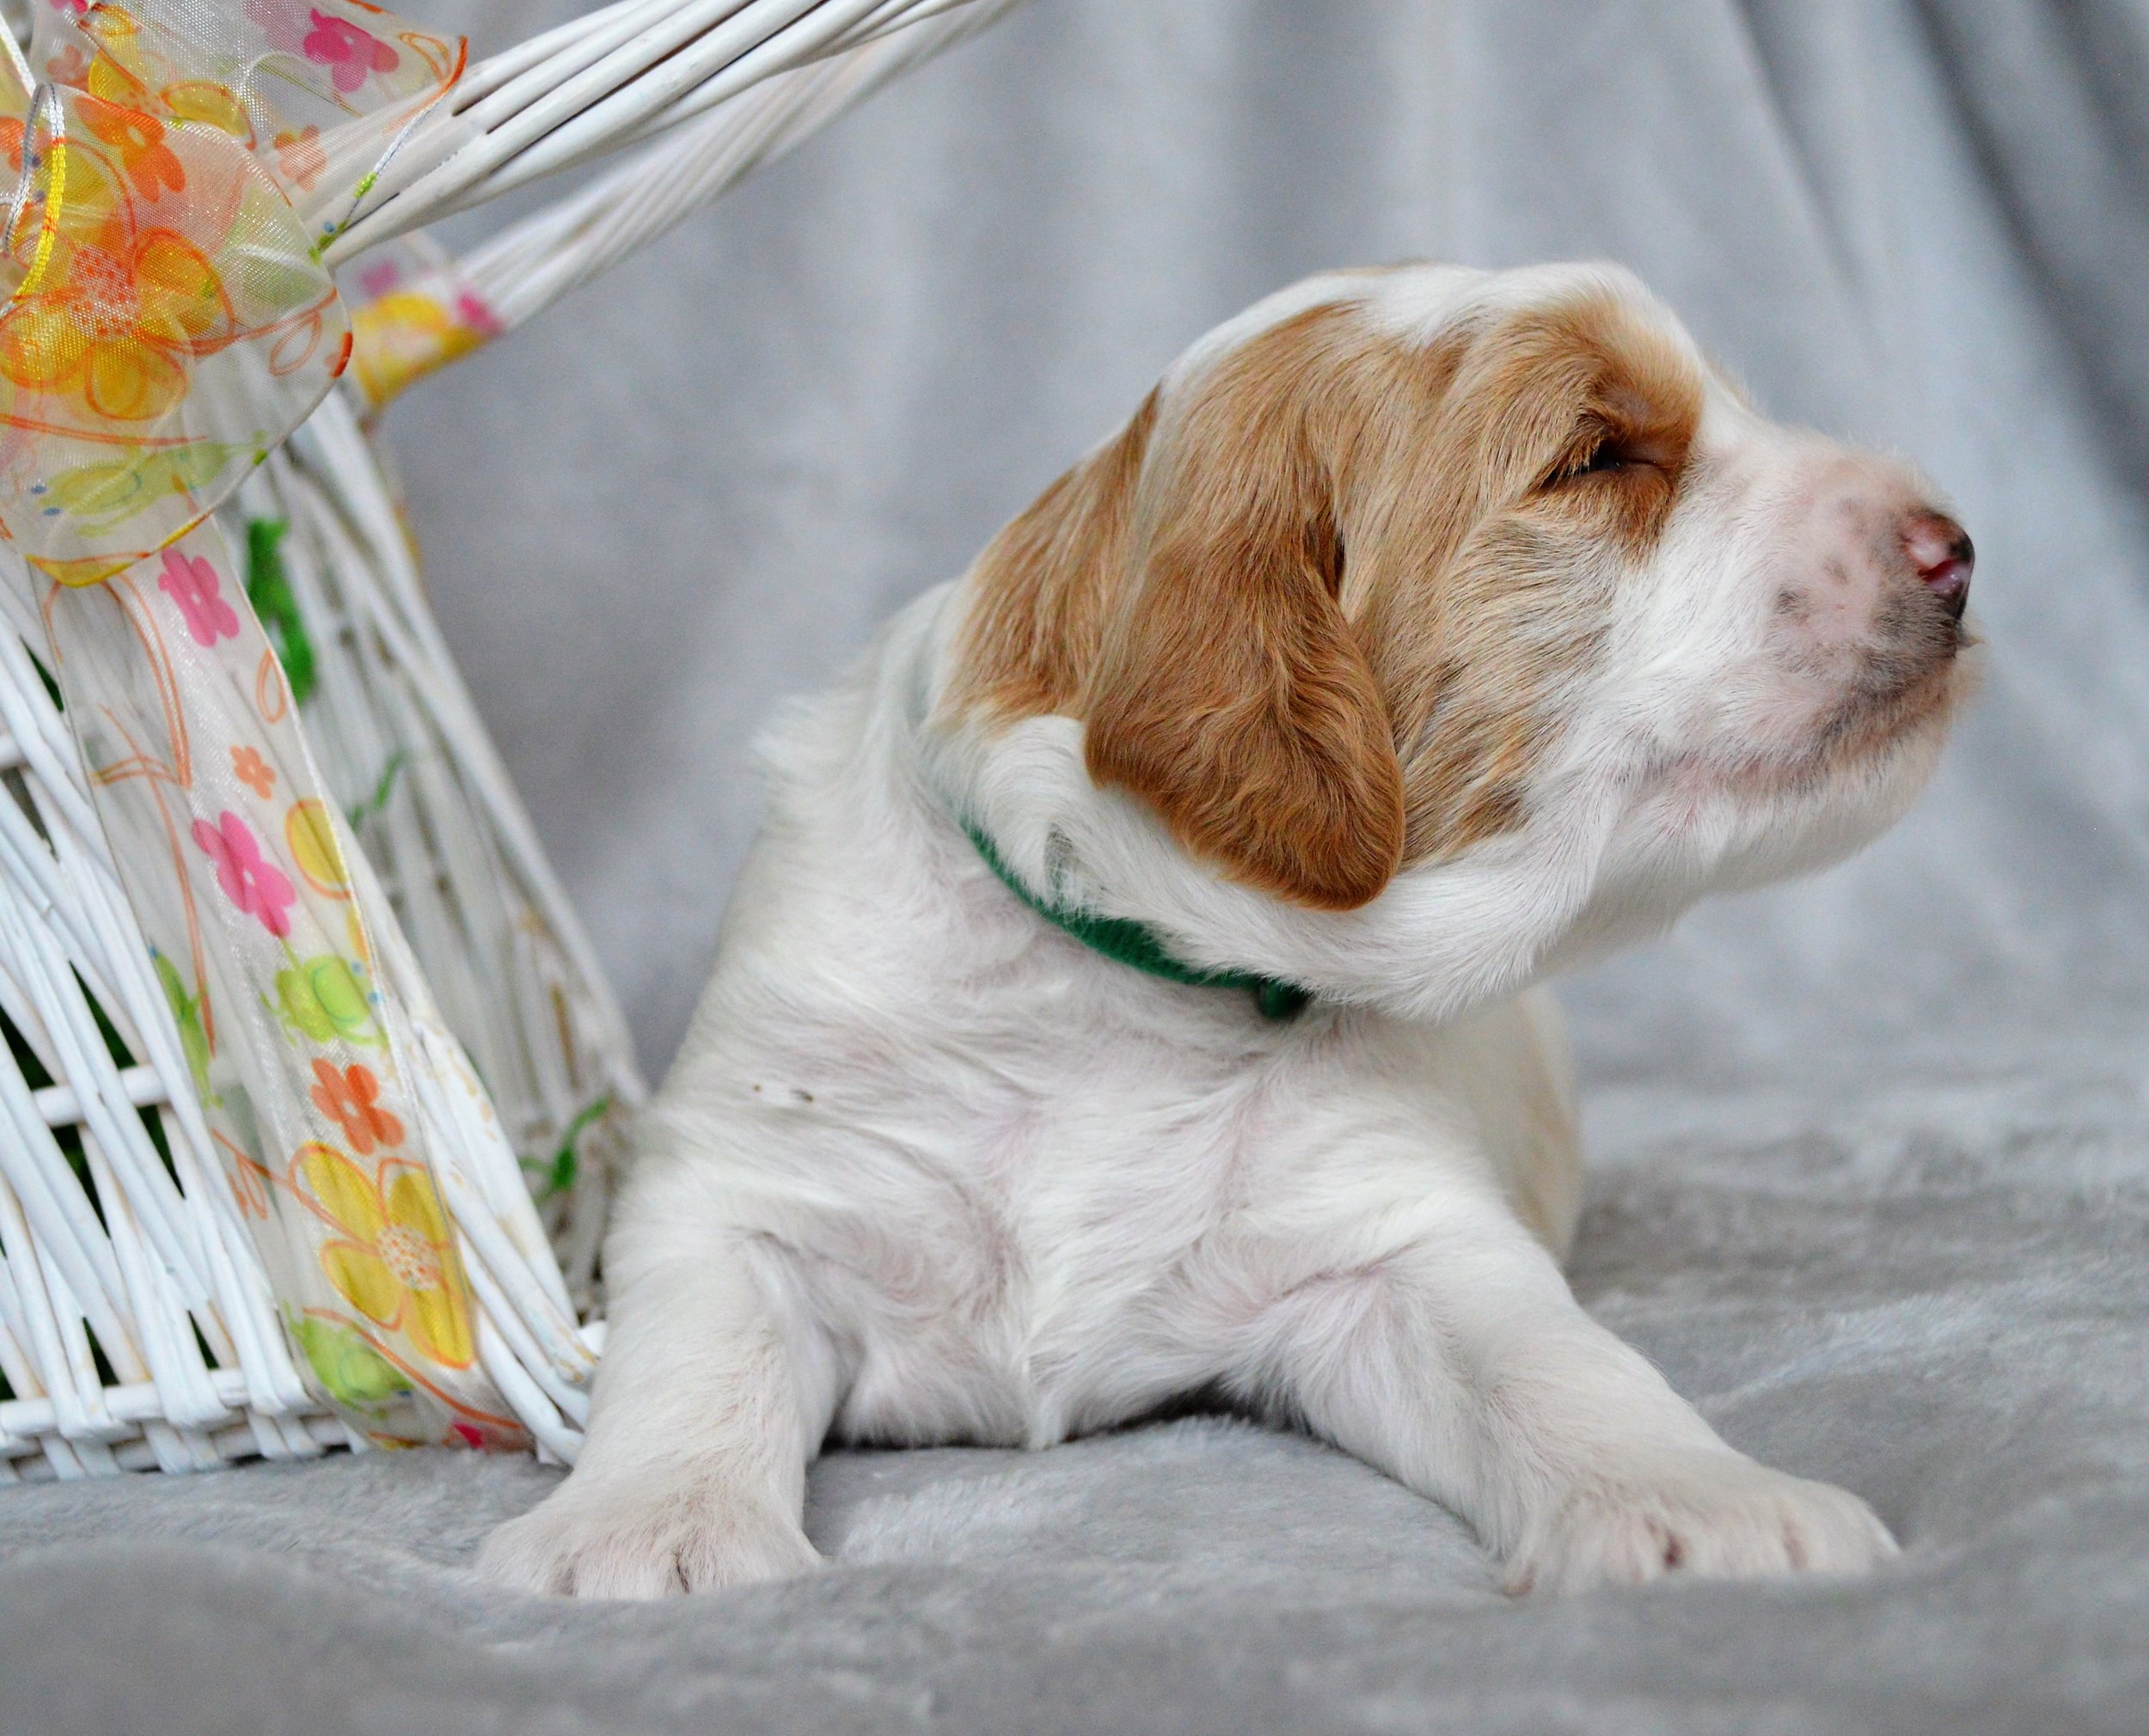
(1326, 610)
(1488, 570)
(1229, 689)
(1040, 588)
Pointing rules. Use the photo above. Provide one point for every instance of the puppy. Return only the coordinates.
(1129, 995)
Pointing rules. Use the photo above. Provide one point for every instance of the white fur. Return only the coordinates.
(927, 1170)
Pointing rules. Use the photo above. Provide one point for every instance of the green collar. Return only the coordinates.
(1136, 943)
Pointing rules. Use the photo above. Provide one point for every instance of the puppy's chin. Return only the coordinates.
(1778, 816)
(1898, 697)
(1713, 822)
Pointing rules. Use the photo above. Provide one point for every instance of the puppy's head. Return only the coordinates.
(1408, 573)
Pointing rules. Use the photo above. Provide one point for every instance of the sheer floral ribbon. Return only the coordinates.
(417, 311)
(169, 321)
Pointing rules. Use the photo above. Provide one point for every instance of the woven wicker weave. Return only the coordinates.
(139, 1326)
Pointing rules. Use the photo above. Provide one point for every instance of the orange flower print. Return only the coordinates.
(139, 140)
(393, 1256)
(251, 769)
(114, 327)
(351, 1100)
(250, 1187)
(300, 156)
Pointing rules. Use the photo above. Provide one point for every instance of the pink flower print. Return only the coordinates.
(348, 52)
(472, 310)
(192, 583)
(69, 66)
(73, 9)
(258, 887)
(376, 279)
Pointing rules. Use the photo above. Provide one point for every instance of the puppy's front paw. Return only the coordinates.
(1714, 1515)
(647, 1537)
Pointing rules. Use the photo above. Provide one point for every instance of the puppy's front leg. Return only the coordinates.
(1461, 1363)
(703, 1419)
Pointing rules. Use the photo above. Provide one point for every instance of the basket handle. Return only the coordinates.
(449, 308)
(619, 77)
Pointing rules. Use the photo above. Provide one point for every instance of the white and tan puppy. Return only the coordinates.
(1426, 631)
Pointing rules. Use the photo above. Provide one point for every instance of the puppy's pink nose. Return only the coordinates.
(1940, 550)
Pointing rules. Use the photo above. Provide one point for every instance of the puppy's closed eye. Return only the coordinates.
(1602, 452)
(1604, 459)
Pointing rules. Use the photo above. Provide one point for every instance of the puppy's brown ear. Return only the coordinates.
(1228, 690)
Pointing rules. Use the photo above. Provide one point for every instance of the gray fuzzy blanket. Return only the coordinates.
(1935, 1293)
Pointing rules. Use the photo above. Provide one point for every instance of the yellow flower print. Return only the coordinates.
(394, 1258)
(116, 324)
(407, 334)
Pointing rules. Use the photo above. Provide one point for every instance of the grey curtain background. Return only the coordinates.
(697, 486)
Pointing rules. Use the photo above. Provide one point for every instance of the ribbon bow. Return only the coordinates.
(169, 320)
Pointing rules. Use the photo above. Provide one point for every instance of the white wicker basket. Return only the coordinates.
(151, 1315)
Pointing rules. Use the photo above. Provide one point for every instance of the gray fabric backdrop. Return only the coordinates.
(1874, 1151)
